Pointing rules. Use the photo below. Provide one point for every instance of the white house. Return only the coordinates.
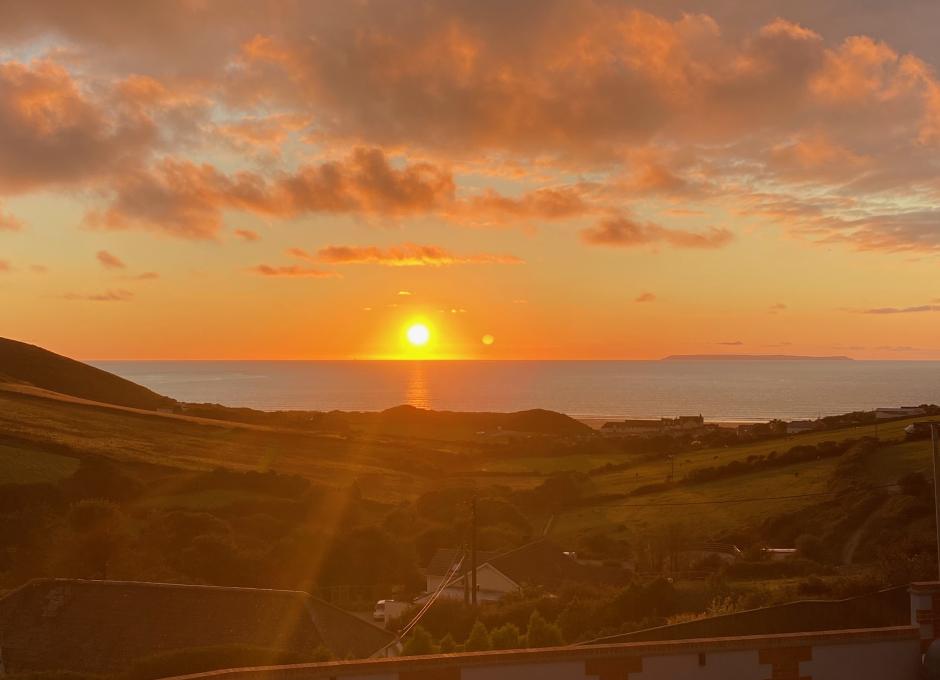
(900, 412)
(541, 563)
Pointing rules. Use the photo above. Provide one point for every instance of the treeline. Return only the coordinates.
(758, 463)
(536, 619)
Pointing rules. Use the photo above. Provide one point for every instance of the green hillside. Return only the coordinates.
(31, 365)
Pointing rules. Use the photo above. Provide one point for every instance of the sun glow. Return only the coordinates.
(418, 334)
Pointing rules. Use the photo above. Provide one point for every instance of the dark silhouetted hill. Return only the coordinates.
(31, 365)
(536, 421)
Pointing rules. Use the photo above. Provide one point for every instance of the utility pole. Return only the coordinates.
(466, 575)
(935, 443)
(473, 550)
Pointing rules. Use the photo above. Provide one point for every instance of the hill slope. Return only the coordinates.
(33, 365)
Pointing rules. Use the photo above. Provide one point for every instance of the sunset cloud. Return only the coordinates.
(645, 297)
(54, 133)
(247, 235)
(407, 255)
(186, 199)
(9, 222)
(109, 261)
(624, 232)
(117, 295)
(293, 272)
(919, 309)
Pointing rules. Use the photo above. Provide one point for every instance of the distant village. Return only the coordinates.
(685, 425)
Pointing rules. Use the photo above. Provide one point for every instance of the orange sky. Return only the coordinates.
(575, 178)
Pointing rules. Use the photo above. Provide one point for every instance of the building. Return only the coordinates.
(540, 563)
(684, 423)
(648, 426)
(900, 412)
(872, 646)
(103, 627)
(919, 430)
(800, 426)
(632, 427)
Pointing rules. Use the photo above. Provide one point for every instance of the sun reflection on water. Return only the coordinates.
(416, 392)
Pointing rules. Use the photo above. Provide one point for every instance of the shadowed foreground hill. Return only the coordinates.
(35, 366)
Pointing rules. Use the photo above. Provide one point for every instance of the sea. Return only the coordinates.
(720, 390)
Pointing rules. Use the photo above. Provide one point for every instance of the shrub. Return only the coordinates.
(447, 645)
(811, 547)
(506, 637)
(914, 484)
(479, 639)
(419, 643)
(541, 633)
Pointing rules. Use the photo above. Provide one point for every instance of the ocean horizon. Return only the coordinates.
(718, 389)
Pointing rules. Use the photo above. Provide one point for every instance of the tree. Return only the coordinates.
(98, 535)
(419, 643)
(479, 639)
(541, 633)
(506, 637)
(576, 619)
(810, 547)
(914, 484)
(447, 645)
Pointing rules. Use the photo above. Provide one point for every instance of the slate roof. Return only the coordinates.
(543, 563)
(540, 563)
(104, 626)
(444, 557)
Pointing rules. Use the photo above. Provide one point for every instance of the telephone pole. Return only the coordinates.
(466, 575)
(473, 551)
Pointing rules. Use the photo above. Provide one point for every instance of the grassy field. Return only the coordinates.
(392, 470)
(660, 511)
(20, 465)
(387, 470)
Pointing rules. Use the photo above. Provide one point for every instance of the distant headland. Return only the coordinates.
(751, 357)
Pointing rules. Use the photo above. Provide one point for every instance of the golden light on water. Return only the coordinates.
(418, 334)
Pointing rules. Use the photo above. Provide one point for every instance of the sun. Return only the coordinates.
(418, 334)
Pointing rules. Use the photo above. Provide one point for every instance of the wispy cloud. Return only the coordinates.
(109, 261)
(9, 222)
(919, 309)
(406, 255)
(293, 271)
(247, 234)
(117, 295)
(645, 297)
(623, 232)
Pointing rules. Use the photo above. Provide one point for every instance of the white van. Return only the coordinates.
(378, 614)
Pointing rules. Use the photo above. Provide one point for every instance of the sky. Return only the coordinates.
(574, 179)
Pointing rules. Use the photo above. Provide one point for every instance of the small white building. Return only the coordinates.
(899, 412)
(540, 563)
(800, 426)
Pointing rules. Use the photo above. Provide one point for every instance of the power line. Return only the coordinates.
(448, 579)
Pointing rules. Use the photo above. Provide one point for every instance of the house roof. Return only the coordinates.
(444, 558)
(104, 626)
(540, 563)
(543, 563)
